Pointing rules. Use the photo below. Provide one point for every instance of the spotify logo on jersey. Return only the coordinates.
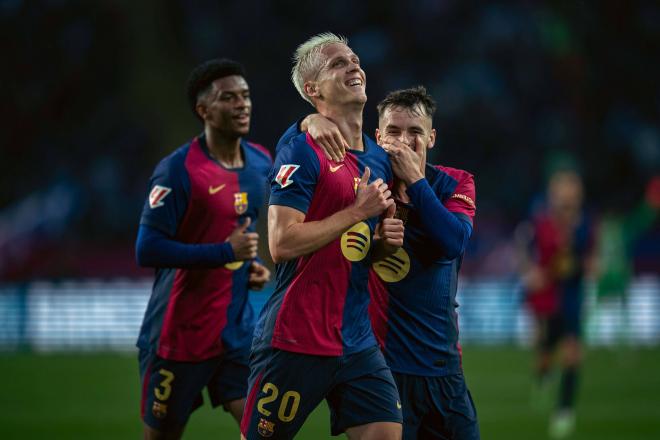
(234, 265)
(393, 268)
(356, 241)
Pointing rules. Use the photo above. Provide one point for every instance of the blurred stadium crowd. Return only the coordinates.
(93, 97)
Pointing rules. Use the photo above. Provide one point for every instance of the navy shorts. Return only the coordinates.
(285, 387)
(172, 390)
(438, 408)
(571, 311)
(555, 327)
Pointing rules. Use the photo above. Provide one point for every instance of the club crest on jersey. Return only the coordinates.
(356, 241)
(356, 183)
(158, 193)
(393, 268)
(159, 410)
(240, 202)
(266, 428)
(402, 213)
(285, 173)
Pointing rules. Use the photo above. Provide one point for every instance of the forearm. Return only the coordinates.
(443, 228)
(290, 241)
(154, 249)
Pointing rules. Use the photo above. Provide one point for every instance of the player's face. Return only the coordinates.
(565, 192)
(413, 128)
(227, 106)
(341, 80)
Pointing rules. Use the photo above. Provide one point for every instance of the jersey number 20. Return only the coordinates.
(272, 392)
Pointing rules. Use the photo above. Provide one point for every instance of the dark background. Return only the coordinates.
(92, 97)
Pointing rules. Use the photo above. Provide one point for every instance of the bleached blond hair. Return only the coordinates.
(308, 59)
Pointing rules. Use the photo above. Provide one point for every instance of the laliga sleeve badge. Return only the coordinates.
(157, 194)
(266, 428)
(285, 173)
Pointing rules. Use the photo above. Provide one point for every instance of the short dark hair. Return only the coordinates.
(202, 76)
(408, 99)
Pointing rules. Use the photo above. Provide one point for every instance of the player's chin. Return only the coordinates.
(355, 94)
(359, 94)
(242, 129)
(362, 98)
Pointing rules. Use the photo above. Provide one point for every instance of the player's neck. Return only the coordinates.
(224, 149)
(349, 122)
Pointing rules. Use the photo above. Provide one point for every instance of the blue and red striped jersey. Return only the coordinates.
(320, 302)
(413, 308)
(561, 254)
(196, 314)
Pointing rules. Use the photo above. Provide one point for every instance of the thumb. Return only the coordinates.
(364, 180)
(243, 226)
(391, 210)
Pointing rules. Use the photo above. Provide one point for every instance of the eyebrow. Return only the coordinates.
(413, 127)
(233, 91)
(337, 57)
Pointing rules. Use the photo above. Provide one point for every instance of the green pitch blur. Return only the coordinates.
(96, 396)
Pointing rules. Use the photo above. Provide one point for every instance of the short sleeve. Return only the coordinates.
(169, 192)
(294, 175)
(462, 201)
(288, 136)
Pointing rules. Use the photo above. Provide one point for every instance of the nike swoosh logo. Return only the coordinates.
(398, 405)
(213, 190)
(334, 169)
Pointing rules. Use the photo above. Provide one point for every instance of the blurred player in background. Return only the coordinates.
(413, 308)
(197, 230)
(314, 339)
(618, 232)
(556, 250)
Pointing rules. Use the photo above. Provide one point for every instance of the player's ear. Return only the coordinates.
(377, 136)
(431, 139)
(200, 108)
(311, 89)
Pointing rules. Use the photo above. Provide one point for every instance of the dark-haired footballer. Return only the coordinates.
(198, 231)
(413, 292)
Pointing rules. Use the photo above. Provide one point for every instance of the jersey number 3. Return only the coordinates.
(166, 385)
